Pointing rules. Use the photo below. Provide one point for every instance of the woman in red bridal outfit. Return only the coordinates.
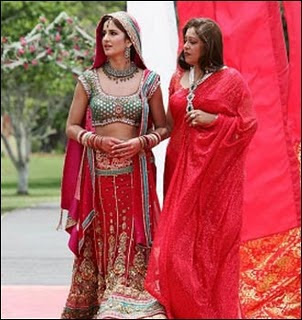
(108, 185)
(194, 265)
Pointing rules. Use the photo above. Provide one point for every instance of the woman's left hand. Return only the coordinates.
(127, 149)
(199, 118)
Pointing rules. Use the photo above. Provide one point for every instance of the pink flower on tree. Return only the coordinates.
(48, 51)
(21, 51)
(65, 53)
(43, 19)
(32, 48)
(26, 52)
(58, 37)
(23, 42)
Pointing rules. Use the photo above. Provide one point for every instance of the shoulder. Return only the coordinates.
(234, 86)
(233, 75)
(151, 82)
(87, 80)
(177, 75)
(150, 74)
(151, 77)
(87, 74)
(175, 80)
(233, 79)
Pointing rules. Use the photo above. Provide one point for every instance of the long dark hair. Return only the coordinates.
(210, 34)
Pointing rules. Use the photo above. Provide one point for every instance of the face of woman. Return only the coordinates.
(193, 47)
(114, 40)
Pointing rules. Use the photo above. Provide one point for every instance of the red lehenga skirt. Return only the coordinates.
(108, 277)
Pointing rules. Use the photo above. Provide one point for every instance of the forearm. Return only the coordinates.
(163, 132)
(73, 130)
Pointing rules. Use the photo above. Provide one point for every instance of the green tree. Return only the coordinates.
(37, 98)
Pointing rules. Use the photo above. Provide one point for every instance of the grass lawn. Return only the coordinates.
(44, 182)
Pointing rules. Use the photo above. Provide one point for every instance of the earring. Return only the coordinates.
(127, 53)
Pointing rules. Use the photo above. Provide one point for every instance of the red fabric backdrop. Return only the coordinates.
(293, 17)
(254, 44)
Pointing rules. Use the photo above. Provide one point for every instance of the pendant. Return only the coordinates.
(190, 107)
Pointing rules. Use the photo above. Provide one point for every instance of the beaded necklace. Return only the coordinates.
(193, 85)
(120, 75)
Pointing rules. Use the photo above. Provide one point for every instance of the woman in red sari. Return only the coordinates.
(108, 182)
(194, 264)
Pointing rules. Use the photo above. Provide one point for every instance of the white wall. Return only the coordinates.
(159, 45)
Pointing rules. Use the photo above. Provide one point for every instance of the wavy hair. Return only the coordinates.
(210, 34)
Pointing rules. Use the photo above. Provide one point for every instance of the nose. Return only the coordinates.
(105, 37)
(186, 45)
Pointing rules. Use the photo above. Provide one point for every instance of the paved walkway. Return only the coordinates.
(36, 264)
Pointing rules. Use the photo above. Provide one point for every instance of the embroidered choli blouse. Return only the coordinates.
(107, 109)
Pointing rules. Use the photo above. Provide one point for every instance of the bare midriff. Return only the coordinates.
(120, 131)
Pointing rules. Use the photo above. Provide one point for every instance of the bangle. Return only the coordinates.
(98, 142)
(145, 141)
(91, 140)
(150, 140)
(80, 135)
(154, 140)
(101, 142)
(94, 142)
(85, 138)
(142, 142)
(158, 136)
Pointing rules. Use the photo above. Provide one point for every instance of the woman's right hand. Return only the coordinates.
(108, 143)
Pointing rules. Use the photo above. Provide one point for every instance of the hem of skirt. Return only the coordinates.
(80, 313)
(117, 315)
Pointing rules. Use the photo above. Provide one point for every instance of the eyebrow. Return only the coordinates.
(191, 37)
(110, 30)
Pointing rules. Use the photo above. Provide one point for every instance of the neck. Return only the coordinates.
(198, 73)
(119, 63)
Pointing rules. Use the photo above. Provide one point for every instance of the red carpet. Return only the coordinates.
(32, 302)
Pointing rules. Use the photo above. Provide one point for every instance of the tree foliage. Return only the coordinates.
(48, 84)
(37, 99)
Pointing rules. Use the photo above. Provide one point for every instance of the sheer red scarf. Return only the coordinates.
(194, 265)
